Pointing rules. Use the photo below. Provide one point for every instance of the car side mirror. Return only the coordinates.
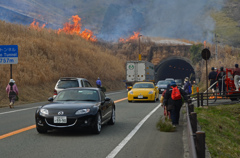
(129, 88)
(50, 99)
(106, 99)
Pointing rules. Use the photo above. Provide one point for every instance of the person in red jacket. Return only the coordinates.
(174, 106)
(12, 91)
(236, 76)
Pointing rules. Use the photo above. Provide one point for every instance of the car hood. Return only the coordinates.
(70, 105)
(143, 91)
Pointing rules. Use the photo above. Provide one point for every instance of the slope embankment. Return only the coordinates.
(44, 56)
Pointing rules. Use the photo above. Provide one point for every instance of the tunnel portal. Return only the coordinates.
(174, 67)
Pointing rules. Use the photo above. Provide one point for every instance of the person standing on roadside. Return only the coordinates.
(166, 113)
(212, 77)
(99, 83)
(12, 91)
(221, 81)
(236, 76)
(174, 103)
(187, 86)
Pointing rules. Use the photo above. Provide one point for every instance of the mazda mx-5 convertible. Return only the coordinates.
(76, 108)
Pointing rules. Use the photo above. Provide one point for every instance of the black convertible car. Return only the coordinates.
(76, 108)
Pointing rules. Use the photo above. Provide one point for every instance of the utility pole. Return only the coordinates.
(216, 49)
(139, 54)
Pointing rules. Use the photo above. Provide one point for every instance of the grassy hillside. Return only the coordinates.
(221, 125)
(228, 23)
(44, 56)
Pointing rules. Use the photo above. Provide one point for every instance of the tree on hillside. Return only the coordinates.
(195, 53)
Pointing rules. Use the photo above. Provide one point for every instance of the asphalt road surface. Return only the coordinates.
(134, 135)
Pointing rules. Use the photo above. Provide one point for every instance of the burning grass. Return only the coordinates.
(44, 56)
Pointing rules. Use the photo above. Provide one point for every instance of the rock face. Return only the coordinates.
(159, 53)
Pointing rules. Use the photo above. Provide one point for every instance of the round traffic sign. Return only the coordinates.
(206, 54)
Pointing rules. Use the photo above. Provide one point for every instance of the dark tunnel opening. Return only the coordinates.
(174, 68)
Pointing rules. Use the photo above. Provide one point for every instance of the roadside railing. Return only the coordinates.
(210, 98)
(196, 139)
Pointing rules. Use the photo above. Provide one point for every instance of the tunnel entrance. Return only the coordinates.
(174, 67)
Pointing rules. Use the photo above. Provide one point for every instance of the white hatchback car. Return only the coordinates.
(70, 82)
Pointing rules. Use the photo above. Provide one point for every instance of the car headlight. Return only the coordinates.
(151, 92)
(82, 111)
(44, 112)
(131, 92)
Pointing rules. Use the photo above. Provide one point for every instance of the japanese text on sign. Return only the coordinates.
(8, 54)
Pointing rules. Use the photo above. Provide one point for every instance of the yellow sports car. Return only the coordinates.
(143, 91)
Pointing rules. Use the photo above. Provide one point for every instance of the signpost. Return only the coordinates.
(9, 55)
(206, 54)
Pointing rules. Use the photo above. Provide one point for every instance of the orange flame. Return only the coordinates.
(69, 28)
(133, 37)
(75, 28)
(35, 25)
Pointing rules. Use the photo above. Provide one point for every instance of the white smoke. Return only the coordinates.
(182, 19)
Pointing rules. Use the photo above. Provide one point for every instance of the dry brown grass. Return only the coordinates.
(227, 57)
(44, 56)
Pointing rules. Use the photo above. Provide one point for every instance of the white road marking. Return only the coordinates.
(115, 151)
(18, 110)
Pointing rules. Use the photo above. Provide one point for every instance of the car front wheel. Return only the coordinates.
(155, 99)
(41, 130)
(113, 118)
(97, 126)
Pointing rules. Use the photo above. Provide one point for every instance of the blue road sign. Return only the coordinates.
(8, 54)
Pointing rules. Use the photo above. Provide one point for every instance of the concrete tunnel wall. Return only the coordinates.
(174, 67)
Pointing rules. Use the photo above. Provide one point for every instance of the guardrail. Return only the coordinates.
(213, 97)
(196, 139)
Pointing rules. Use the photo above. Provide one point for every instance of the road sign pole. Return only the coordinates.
(206, 54)
(10, 71)
(207, 80)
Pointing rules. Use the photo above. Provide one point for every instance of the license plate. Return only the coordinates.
(162, 89)
(140, 96)
(60, 119)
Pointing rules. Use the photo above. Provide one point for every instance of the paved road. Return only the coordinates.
(133, 136)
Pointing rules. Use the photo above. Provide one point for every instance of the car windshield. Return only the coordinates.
(163, 82)
(178, 81)
(67, 84)
(78, 95)
(143, 85)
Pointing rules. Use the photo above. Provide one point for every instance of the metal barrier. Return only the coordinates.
(196, 139)
(213, 97)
